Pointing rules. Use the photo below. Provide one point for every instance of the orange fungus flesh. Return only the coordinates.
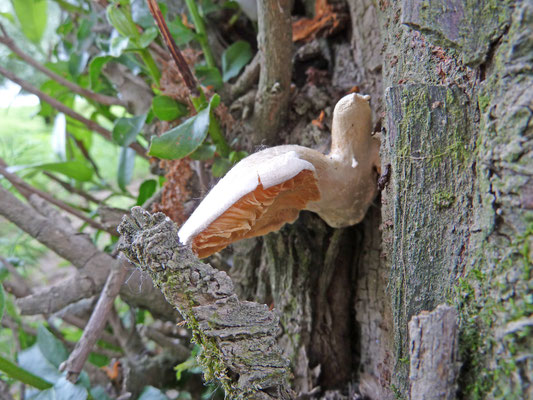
(258, 213)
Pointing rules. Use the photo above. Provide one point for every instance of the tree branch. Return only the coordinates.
(275, 46)
(433, 352)
(183, 68)
(238, 337)
(77, 358)
(69, 188)
(93, 266)
(100, 98)
(17, 182)
(141, 151)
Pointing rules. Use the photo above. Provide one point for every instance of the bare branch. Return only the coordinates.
(17, 182)
(81, 252)
(69, 188)
(238, 337)
(434, 354)
(141, 151)
(275, 46)
(74, 364)
(16, 285)
(99, 98)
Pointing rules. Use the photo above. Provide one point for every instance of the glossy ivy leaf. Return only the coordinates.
(126, 130)
(186, 137)
(51, 347)
(95, 68)
(33, 360)
(32, 15)
(63, 390)
(77, 170)
(126, 163)
(204, 152)
(167, 109)
(209, 76)
(220, 167)
(235, 58)
(146, 190)
(152, 393)
(148, 36)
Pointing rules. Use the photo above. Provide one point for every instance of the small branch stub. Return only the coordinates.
(433, 349)
(238, 343)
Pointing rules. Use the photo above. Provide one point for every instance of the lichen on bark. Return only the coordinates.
(238, 338)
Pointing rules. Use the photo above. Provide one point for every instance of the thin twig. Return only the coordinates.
(17, 182)
(100, 98)
(82, 323)
(141, 151)
(182, 65)
(74, 364)
(68, 187)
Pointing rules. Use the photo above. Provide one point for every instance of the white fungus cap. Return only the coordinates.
(267, 167)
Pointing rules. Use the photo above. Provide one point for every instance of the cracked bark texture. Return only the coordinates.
(238, 338)
(457, 219)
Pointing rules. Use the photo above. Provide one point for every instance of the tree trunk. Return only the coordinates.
(455, 89)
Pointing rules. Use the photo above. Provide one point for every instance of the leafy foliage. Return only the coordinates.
(55, 150)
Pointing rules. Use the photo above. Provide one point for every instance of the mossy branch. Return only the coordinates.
(238, 338)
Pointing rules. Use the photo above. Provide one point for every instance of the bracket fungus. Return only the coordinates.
(269, 188)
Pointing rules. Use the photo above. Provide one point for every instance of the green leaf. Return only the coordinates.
(2, 301)
(20, 374)
(236, 156)
(33, 360)
(146, 190)
(181, 34)
(185, 138)
(99, 393)
(59, 136)
(235, 58)
(204, 152)
(51, 347)
(220, 166)
(118, 45)
(151, 393)
(140, 13)
(77, 63)
(63, 390)
(126, 163)
(167, 109)
(148, 36)
(8, 16)
(126, 130)
(120, 18)
(95, 68)
(73, 169)
(32, 15)
(209, 76)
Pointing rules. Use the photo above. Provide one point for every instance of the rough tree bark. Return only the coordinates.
(452, 87)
